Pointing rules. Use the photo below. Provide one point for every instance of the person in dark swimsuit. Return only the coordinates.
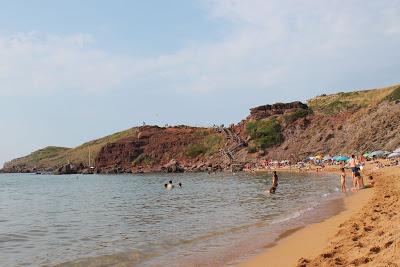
(274, 183)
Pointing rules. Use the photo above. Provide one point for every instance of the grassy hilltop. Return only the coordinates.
(52, 157)
(350, 101)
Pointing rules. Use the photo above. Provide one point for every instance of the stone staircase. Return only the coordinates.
(236, 143)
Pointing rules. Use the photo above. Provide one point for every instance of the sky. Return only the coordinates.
(72, 71)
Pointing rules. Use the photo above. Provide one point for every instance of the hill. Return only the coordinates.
(351, 122)
(51, 158)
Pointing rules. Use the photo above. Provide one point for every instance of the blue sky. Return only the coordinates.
(71, 71)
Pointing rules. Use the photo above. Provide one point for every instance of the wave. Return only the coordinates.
(293, 215)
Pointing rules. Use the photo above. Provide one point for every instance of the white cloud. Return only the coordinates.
(269, 45)
(34, 62)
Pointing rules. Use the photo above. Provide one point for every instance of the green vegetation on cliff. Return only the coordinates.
(144, 159)
(209, 145)
(264, 133)
(295, 115)
(48, 153)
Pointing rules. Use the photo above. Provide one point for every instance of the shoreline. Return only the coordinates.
(291, 243)
(290, 249)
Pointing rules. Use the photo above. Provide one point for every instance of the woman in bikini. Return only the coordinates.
(343, 180)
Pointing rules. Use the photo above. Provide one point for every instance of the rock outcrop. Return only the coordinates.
(266, 111)
(172, 166)
(68, 169)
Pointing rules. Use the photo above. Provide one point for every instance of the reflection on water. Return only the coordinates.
(132, 220)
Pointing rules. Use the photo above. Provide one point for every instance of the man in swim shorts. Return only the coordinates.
(353, 166)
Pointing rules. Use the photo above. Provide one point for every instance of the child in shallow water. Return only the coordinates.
(371, 182)
(343, 180)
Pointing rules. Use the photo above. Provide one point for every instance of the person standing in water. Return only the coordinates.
(343, 180)
(274, 183)
(275, 179)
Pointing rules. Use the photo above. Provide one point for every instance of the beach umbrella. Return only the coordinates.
(318, 157)
(378, 153)
(342, 158)
(387, 153)
(394, 155)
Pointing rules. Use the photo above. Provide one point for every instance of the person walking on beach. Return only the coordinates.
(353, 166)
(359, 178)
(343, 180)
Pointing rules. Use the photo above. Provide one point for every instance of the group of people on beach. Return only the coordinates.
(357, 179)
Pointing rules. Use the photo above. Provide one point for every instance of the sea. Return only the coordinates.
(217, 219)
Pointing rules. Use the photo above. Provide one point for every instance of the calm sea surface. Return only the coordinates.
(213, 220)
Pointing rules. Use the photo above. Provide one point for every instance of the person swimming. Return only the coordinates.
(180, 185)
(170, 185)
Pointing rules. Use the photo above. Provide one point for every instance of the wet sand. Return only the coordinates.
(366, 232)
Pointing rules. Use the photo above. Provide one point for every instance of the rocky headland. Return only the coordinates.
(338, 123)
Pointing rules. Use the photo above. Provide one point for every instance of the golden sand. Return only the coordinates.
(366, 233)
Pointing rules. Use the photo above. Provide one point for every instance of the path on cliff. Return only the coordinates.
(235, 141)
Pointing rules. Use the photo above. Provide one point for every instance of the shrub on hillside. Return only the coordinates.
(212, 143)
(143, 159)
(208, 146)
(194, 150)
(297, 114)
(252, 149)
(265, 133)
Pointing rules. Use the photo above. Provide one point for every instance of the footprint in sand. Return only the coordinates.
(375, 249)
(380, 233)
(388, 244)
(360, 261)
(368, 228)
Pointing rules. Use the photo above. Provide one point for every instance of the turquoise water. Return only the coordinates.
(213, 220)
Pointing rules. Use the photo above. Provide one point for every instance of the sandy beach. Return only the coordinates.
(365, 233)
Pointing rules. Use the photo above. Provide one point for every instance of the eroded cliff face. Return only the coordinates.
(367, 129)
(153, 148)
